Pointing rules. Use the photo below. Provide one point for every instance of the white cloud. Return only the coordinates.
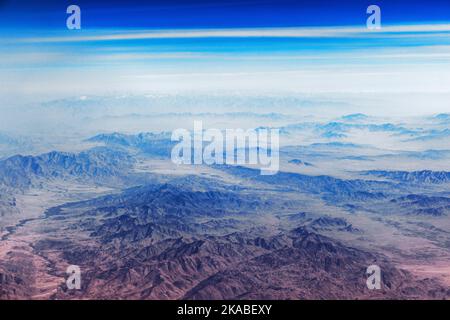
(303, 32)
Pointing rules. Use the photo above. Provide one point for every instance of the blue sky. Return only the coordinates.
(306, 46)
(232, 27)
(216, 14)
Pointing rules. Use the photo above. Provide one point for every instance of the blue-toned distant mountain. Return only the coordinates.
(301, 163)
(355, 117)
(443, 117)
(328, 187)
(19, 172)
(424, 205)
(432, 135)
(424, 176)
(151, 144)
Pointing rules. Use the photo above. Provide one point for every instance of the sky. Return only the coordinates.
(309, 47)
(216, 14)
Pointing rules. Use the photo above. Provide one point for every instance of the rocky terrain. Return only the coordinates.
(140, 227)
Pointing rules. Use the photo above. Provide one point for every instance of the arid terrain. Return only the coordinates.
(141, 227)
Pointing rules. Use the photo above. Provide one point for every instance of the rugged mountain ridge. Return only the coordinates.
(156, 242)
(424, 176)
(21, 172)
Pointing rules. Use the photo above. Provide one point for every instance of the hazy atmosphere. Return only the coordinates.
(87, 172)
